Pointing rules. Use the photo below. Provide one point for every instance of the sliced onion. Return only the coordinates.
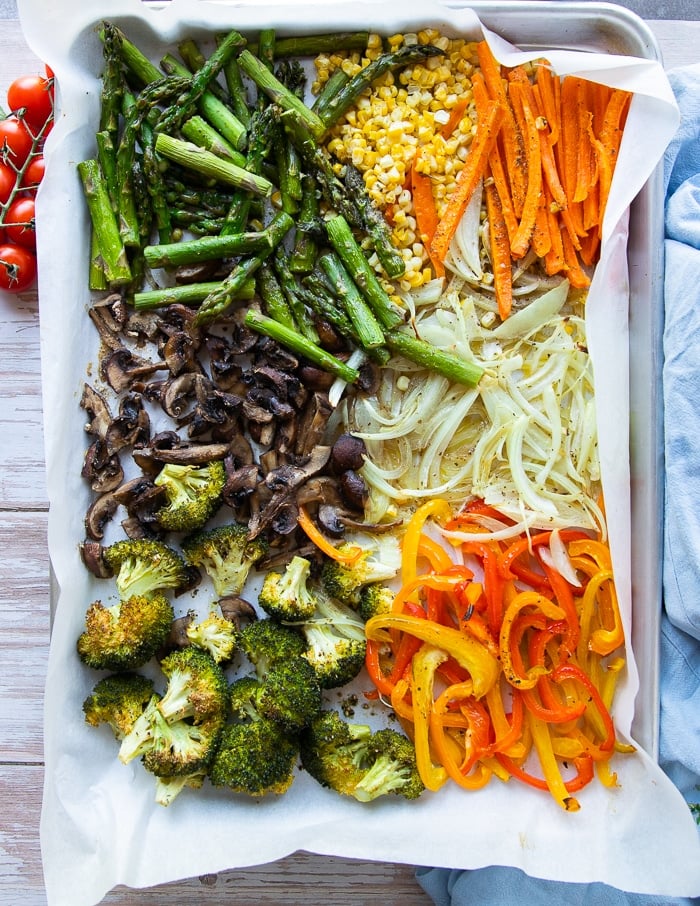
(557, 556)
(534, 315)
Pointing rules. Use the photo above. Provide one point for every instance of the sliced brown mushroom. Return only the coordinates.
(237, 609)
(102, 469)
(313, 423)
(99, 513)
(109, 317)
(186, 454)
(91, 555)
(143, 327)
(131, 427)
(179, 393)
(98, 411)
(180, 353)
(121, 367)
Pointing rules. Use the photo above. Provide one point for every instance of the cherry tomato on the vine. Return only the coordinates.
(32, 94)
(34, 173)
(8, 178)
(19, 223)
(15, 141)
(17, 268)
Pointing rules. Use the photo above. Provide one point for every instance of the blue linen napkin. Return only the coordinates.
(679, 743)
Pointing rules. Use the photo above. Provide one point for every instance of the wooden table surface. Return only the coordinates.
(24, 626)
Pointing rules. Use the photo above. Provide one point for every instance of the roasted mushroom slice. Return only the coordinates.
(91, 555)
(102, 469)
(121, 367)
(99, 513)
(98, 411)
(109, 317)
(237, 609)
(131, 427)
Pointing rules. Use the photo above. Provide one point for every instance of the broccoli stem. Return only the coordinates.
(347, 94)
(104, 223)
(204, 162)
(449, 365)
(221, 298)
(187, 294)
(368, 329)
(212, 108)
(278, 93)
(300, 345)
(207, 248)
(352, 256)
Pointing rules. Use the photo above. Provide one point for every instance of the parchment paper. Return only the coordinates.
(100, 826)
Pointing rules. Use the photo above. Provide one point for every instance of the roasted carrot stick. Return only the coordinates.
(500, 252)
(426, 213)
(473, 170)
(521, 102)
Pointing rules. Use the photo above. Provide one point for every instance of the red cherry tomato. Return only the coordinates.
(34, 173)
(15, 141)
(19, 223)
(17, 268)
(31, 93)
(7, 182)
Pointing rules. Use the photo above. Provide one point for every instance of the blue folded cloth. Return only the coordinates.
(679, 744)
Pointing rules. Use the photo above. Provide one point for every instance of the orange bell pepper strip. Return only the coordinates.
(583, 765)
(481, 665)
(314, 534)
(571, 671)
(528, 679)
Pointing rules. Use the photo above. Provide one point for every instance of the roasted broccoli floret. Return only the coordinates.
(181, 747)
(266, 642)
(255, 758)
(285, 595)
(140, 738)
(197, 687)
(335, 642)
(226, 554)
(380, 561)
(353, 761)
(142, 566)
(215, 635)
(118, 700)
(169, 788)
(375, 599)
(125, 635)
(193, 494)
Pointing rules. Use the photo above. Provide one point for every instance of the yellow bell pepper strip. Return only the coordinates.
(524, 599)
(604, 641)
(434, 553)
(425, 665)
(507, 735)
(481, 665)
(438, 509)
(550, 767)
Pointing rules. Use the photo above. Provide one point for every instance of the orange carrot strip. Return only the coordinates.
(426, 213)
(541, 239)
(610, 137)
(548, 85)
(513, 144)
(521, 242)
(500, 252)
(470, 174)
(590, 247)
(456, 117)
(577, 276)
(567, 150)
(554, 259)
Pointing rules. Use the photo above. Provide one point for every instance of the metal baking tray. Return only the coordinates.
(609, 28)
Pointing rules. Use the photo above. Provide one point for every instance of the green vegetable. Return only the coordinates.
(226, 554)
(118, 700)
(193, 494)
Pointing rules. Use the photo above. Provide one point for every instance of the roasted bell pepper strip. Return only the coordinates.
(508, 736)
(583, 765)
(438, 509)
(571, 671)
(522, 600)
(314, 534)
(425, 665)
(469, 654)
(550, 767)
(434, 553)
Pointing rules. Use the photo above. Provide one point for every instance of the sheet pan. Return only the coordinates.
(109, 844)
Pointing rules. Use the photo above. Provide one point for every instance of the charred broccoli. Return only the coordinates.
(226, 554)
(118, 700)
(193, 494)
(375, 599)
(142, 566)
(354, 761)
(125, 635)
(285, 595)
(255, 758)
(335, 642)
(181, 748)
(266, 642)
(197, 687)
(379, 561)
(216, 635)
(169, 788)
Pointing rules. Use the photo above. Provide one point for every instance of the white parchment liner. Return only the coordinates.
(100, 826)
